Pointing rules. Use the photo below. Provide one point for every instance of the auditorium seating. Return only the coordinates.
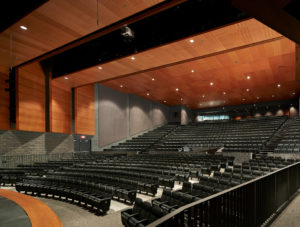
(289, 141)
(85, 193)
(141, 214)
(143, 142)
(247, 135)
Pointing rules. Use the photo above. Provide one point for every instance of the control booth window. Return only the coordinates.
(212, 118)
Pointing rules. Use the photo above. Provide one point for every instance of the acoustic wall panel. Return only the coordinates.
(84, 110)
(112, 115)
(4, 100)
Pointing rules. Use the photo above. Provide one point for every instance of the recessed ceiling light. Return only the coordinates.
(278, 85)
(257, 97)
(99, 67)
(192, 70)
(293, 93)
(132, 58)
(211, 83)
(192, 41)
(244, 99)
(148, 94)
(177, 89)
(181, 99)
(121, 85)
(273, 96)
(224, 93)
(66, 78)
(23, 27)
(153, 79)
(248, 77)
(200, 104)
(247, 89)
(203, 96)
(165, 101)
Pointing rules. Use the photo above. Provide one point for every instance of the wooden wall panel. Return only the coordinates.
(4, 100)
(84, 110)
(31, 98)
(60, 115)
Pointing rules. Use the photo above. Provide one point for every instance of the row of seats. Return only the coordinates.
(89, 197)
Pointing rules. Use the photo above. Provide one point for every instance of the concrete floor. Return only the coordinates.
(290, 216)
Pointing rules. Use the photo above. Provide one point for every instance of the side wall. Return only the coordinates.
(24, 142)
(4, 100)
(120, 116)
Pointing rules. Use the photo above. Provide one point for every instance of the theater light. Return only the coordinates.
(191, 41)
(23, 27)
(99, 67)
(132, 58)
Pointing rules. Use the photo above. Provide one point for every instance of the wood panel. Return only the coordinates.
(60, 117)
(248, 32)
(4, 100)
(59, 22)
(31, 98)
(268, 65)
(39, 213)
(84, 110)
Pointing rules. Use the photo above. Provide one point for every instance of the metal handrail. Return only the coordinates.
(182, 209)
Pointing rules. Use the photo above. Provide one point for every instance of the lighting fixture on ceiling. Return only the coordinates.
(148, 94)
(177, 89)
(273, 96)
(132, 58)
(66, 78)
(278, 85)
(181, 99)
(257, 97)
(203, 96)
(211, 83)
(192, 41)
(165, 101)
(293, 93)
(200, 104)
(153, 79)
(192, 70)
(244, 99)
(224, 92)
(247, 89)
(23, 27)
(121, 86)
(99, 67)
(248, 77)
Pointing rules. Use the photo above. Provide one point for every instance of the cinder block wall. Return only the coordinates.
(24, 142)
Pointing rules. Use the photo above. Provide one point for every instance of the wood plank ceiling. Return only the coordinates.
(59, 22)
(224, 57)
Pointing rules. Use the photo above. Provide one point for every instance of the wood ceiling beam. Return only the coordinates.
(115, 26)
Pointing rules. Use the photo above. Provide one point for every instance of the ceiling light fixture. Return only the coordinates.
(278, 85)
(132, 58)
(99, 67)
(293, 93)
(247, 89)
(257, 97)
(165, 101)
(211, 83)
(244, 99)
(192, 41)
(273, 96)
(203, 96)
(121, 86)
(248, 77)
(23, 27)
(192, 70)
(224, 93)
(153, 79)
(181, 99)
(66, 78)
(177, 89)
(148, 94)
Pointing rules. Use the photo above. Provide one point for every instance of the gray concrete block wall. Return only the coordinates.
(24, 142)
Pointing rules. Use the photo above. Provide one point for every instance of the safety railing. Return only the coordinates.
(249, 204)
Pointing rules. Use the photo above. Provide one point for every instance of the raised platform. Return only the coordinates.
(21, 210)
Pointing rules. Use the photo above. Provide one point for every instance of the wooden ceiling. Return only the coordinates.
(59, 22)
(248, 32)
(267, 64)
